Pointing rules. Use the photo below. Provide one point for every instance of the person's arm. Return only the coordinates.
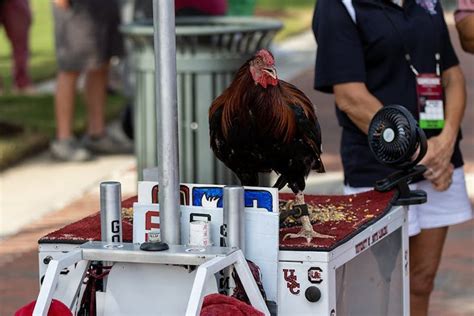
(340, 62)
(357, 102)
(440, 148)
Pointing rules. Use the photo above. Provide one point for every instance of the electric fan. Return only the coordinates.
(398, 142)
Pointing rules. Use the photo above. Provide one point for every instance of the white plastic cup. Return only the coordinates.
(200, 233)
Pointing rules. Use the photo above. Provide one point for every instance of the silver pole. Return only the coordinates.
(167, 119)
(110, 211)
(234, 216)
(234, 223)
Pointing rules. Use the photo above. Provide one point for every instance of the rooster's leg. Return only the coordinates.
(307, 231)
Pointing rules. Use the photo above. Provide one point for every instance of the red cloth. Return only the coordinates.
(221, 305)
(211, 7)
(57, 308)
(239, 292)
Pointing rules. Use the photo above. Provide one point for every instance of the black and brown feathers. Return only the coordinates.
(260, 123)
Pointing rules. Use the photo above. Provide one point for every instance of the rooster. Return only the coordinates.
(261, 123)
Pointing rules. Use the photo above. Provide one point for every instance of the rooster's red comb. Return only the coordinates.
(266, 56)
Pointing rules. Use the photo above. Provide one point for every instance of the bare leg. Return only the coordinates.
(307, 231)
(95, 95)
(16, 19)
(64, 103)
(425, 256)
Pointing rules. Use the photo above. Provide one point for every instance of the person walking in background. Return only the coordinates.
(15, 16)
(197, 7)
(367, 67)
(464, 17)
(87, 36)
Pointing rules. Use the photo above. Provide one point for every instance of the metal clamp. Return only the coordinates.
(297, 211)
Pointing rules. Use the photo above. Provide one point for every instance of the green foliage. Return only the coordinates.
(285, 4)
(35, 116)
(296, 15)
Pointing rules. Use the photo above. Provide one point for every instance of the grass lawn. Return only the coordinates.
(296, 15)
(42, 59)
(27, 124)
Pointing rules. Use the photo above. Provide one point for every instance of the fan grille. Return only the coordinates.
(401, 145)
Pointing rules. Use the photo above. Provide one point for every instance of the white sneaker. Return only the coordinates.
(69, 150)
(106, 145)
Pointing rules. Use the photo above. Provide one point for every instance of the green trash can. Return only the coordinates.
(209, 50)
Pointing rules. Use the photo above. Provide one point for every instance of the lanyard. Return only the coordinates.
(405, 47)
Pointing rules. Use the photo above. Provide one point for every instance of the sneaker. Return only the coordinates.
(106, 145)
(69, 150)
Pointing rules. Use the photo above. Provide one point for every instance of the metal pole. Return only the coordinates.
(234, 223)
(110, 211)
(234, 216)
(167, 119)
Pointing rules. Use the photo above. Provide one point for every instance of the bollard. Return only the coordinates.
(110, 211)
(234, 216)
(232, 232)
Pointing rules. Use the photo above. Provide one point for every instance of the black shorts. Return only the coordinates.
(87, 34)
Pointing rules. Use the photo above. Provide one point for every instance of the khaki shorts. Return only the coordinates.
(87, 34)
(442, 209)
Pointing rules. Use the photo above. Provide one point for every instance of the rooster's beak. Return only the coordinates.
(271, 71)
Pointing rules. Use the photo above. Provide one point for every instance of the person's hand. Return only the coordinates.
(438, 162)
(63, 4)
(444, 180)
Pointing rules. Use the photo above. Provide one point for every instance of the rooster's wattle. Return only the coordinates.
(260, 123)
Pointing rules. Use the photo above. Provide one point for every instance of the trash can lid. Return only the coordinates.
(208, 25)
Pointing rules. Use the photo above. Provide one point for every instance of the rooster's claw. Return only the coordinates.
(308, 234)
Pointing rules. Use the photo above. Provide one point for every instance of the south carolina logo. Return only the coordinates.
(291, 281)
(314, 275)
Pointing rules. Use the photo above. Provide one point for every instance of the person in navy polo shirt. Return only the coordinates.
(373, 53)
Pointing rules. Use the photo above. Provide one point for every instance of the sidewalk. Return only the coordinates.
(40, 195)
(40, 185)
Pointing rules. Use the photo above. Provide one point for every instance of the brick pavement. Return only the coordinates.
(19, 253)
(454, 287)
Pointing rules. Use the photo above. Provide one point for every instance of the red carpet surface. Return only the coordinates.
(341, 216)
(88, 229)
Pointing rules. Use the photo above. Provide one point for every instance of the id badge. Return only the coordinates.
(430, 101)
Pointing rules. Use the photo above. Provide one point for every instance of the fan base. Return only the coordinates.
(400, 180)
(414, 197)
